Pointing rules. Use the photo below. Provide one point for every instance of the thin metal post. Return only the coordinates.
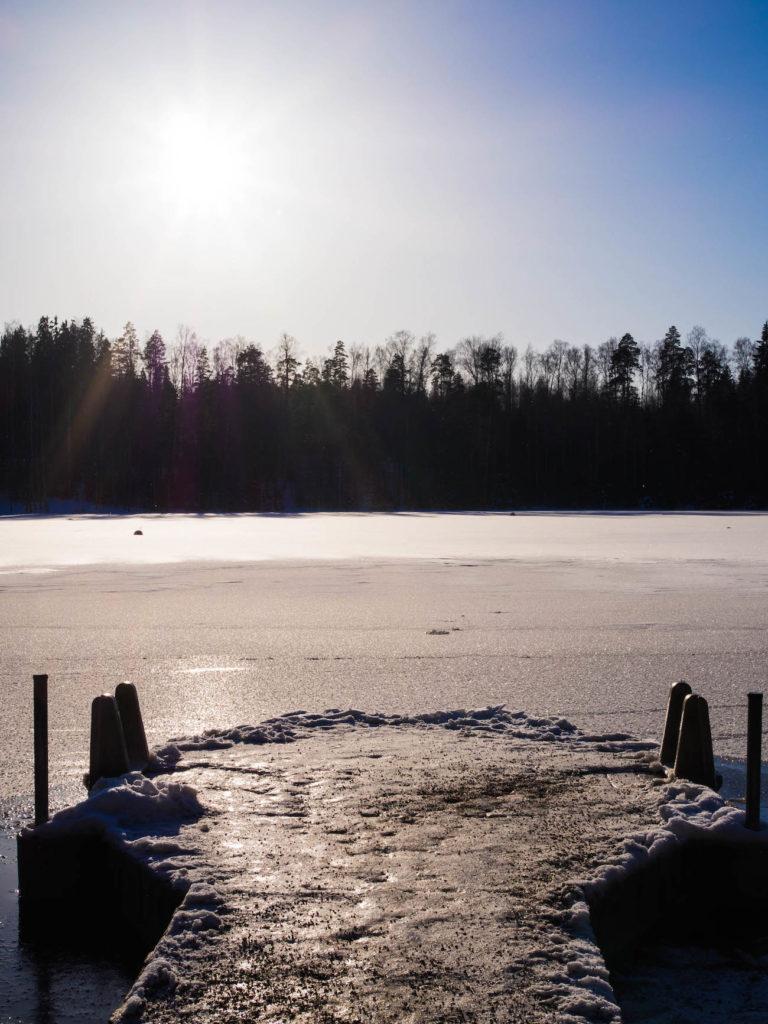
(40, 684)
(754, 758)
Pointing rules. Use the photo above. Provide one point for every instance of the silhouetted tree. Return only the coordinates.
(760, 355)
(625, 361)
(155, 365)
(336, 367)
(674, 368)
(287, 364)
(397, 425)
(252, 368)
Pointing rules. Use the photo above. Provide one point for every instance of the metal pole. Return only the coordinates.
(41, 748)
(754, 758)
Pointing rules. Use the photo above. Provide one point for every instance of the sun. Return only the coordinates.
(201, 167)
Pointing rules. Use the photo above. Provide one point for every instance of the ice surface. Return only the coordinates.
(46, 542)
(590, 617)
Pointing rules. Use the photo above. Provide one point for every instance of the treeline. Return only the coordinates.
(680, 423)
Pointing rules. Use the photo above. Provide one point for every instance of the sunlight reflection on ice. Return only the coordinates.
(197, 671)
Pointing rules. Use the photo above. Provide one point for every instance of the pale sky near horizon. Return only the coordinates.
(547, 169)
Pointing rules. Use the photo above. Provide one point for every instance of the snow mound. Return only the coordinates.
(123, 806)
(492, 719)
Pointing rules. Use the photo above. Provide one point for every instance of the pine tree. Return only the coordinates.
(336, 368)
(287, 364)
(625, 360)
(674, 372)
(155, 365)
(252, 367)
(125, 352)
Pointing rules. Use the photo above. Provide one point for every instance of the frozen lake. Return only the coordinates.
(228, 619)
(45, 542)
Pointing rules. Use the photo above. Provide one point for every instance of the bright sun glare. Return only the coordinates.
(201, 167)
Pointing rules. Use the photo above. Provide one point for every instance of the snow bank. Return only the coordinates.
(687, 811)
(294, 725)
(202, 911)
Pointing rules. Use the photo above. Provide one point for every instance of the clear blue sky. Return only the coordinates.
(546, 169)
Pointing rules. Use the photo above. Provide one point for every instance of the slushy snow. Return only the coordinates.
(349, 866)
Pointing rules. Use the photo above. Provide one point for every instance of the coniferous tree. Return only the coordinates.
(399, 426)
(760, 355)
(155, 364)
(126, 352)
(336, 367)
(252, 367)
(287, 362)
(625, 361)
(675, 368)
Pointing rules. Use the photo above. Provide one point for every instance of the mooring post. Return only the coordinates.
(40, 718)
(677, 694)
(694, 760)
(133, 726)
(754, 758)
(109, 757)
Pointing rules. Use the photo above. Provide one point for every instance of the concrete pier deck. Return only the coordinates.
(350, 868)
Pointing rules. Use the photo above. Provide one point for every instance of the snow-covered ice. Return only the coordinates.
(34, 542)
(588, 616)
(348, 866)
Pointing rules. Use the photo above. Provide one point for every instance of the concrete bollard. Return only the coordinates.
(133, 726)
(677, 694)
(694, 760)
(109, 757)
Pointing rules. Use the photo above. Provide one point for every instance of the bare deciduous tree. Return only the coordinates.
(743, 355)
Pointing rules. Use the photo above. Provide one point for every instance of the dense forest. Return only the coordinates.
(405, 425)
